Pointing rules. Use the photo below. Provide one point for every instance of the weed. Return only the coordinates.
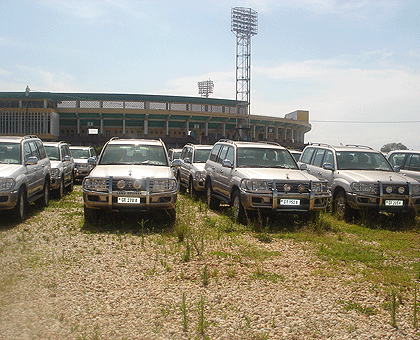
(348, 306)
(205, 277)
(415, 321)
(201, 320)
(184, 313)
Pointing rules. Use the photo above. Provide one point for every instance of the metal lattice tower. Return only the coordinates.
(244, 26)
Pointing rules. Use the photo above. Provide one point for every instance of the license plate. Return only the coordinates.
(393, 203)
(129, 200)
(285, 201)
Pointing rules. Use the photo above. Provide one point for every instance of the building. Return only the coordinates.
(93, 118)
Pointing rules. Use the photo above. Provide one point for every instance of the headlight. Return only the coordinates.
(95, 184)
(55, 173)
(415, 189)
(319, 187)
(256, 186)
(200, 175)
(162, 185)
(367, 188)
(7, 184)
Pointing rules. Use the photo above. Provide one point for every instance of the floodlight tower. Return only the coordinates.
(244, 26)
(205, 88)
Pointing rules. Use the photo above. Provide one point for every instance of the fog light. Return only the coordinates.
(121, 184)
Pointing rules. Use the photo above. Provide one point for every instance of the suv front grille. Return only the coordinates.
(394, 189)
(128, 185)
(294, 187)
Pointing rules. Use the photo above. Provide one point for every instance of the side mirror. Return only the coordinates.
(187, 160)
(303, 166)
(32, 160)
(91, 161)
(327, 166)
(176, 162)
(397, 168)
(227, 164)
(67, 158)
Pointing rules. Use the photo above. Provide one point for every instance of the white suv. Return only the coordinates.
(361, 178)
(131, 175)
(24, 174)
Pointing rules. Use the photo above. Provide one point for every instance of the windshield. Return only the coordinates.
(52, 152)
(10, 153)
(356, 160)
(201, 155)
(134, 154)
(80, 153)
(265, 158)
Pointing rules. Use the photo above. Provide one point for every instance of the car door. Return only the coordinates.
(225, 173)
(67, 163)
(412, 166)
(324, 172)
(33, 171)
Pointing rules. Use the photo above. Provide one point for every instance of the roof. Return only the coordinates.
(135, 141)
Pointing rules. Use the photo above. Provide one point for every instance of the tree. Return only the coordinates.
(393, 146)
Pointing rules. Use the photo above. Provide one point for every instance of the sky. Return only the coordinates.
(354, 65)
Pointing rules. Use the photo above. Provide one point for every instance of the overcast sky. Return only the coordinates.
(354, 65)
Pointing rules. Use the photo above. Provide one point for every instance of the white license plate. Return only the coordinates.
(285, 201)
(129, 200)
(393, 203)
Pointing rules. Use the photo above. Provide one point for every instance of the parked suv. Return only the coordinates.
(190, 167)
(251, 176)
(24, 174)
(62, 167)
(131, 175)
(407, 161)
(361, 178)
(81, 154)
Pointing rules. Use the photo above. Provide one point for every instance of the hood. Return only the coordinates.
(133, 171)
(56, 164)
(199, 166)
(278, 174)
(7, 170)
(374, 176)
(80, 160)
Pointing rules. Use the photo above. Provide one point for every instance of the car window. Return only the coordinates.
(222, 154)
(265, 158)
(201, 155)
(328, 158)
(189, 153)
(34, 149)
(397, 159)
(41, 149)
(319, 155)
(230, 155)
(122, 154)
(80, 153)
(10, 153)
(414, 162)
(52, 152)
(183, 153)
(307, 155)
(214, 152)
(355, 160)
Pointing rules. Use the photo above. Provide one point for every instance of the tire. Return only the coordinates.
(91, 215)
(19, 211)
(59, 192)
(341, 207)
(191, 189)
(44, 201)
(212, 202)
(181, 188)
(238, 208)
(70, 187)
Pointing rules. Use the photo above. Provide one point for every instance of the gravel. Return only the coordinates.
(62, 279)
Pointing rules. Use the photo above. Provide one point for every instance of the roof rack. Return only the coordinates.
(226, 140)
(359, 146)
(30, 136)
(114, 138)
(321, 144)
(268, 142)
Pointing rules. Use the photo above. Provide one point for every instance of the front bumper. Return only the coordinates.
(129, 200)
(279, 202)
(382, 203)
(55, 183)
(8, 199)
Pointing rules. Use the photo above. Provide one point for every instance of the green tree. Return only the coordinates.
(393, 146)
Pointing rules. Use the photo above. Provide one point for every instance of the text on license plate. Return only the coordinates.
(129, 200)
(285, 201)
(394, 203)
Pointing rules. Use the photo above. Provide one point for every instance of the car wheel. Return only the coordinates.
(341, 207)
(19, 211)
(212, 202)
(60, 190)
(91, 215)
(44, 201)
(191, 189)
(71, 185)
(181, 188)
(238, 208)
